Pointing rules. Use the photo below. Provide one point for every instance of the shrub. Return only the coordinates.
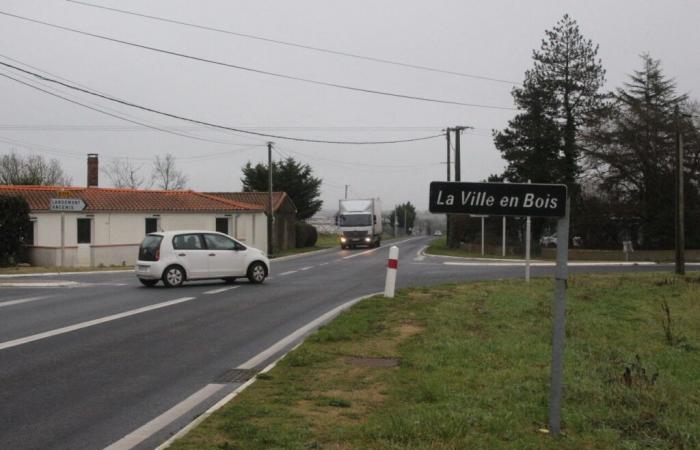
(14, 226)
(306, 235)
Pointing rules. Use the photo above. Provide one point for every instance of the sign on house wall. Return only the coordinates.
(67, 204)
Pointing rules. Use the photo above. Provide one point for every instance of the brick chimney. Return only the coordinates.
(92, 169)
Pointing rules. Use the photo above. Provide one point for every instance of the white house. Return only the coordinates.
(110, 228)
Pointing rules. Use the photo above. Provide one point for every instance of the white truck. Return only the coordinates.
(359, 223)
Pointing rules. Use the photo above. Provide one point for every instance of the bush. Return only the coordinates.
(14, 226)
(306, 235)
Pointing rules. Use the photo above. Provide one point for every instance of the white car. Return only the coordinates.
(177, 256)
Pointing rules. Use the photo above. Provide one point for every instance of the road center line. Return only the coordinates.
(306, 268)
(89, 323)
(288, 273)
(219, 291)
(22, 300)
(139, 435)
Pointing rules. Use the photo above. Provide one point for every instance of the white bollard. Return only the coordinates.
(391, 266)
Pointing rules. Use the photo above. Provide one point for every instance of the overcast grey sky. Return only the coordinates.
(492, 39)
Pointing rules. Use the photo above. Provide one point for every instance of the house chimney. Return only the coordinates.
(92, 170)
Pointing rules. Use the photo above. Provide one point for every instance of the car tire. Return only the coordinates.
(230, 280)
(173, 276)
(148, 283)
(378, 244)
(256, 272)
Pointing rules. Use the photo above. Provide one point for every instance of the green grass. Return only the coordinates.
(439, 247)
(472, 371)
(324, 241)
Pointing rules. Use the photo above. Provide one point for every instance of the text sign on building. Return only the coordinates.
(498, 199)
(67, 204)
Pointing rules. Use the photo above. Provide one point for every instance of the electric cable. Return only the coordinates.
(187, 119)
(292, 44)
(254, 70)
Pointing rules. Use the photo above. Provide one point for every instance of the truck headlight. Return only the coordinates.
(343, 239)
(367, 239)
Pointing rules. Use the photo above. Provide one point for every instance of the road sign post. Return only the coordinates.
(522, 200)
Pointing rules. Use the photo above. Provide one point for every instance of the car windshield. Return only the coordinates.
(355, 220)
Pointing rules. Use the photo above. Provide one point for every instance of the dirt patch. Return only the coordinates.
(408, 329)
(359, 361)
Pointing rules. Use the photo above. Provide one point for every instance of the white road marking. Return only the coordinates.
(219, 291)
(355, 255)
(22, 300)
(323, 264)
(39, 284)
(288, 273)
(90, 323)
(306, 268)
(550, 264)
(420, 256)
(139, 435)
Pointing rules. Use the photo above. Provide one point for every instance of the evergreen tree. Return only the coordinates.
(290, 176)
(405, 215)
(632, 151)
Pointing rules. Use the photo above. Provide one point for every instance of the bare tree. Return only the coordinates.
(123, 173)
(165, 174)
(31, 170)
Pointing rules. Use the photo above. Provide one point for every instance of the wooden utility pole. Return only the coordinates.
(680, 213)
(270, 214)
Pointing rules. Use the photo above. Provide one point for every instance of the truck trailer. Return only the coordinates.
(359, 223)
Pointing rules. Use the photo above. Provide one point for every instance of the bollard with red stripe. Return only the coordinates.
(391, 267)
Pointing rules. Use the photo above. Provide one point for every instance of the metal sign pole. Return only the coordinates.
(559, 325)
(528, 232)
(63, 239)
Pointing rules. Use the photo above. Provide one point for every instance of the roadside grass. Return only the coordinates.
(324, 241)
(439, 247)
(467, 366)
(21, 270)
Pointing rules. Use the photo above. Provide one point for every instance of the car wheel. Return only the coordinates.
(148, 283)
(256, 272)
(378, 244)
(230, 280)
(173, 276)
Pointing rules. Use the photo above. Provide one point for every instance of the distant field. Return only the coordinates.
(467, 366)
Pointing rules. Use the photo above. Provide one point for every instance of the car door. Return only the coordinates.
(225, 257)
(191, 253)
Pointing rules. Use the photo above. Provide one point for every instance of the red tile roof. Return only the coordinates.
(128, 200)
(256, 198)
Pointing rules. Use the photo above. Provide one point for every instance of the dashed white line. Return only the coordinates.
(22, 300)
(89, 323)
(219, 291)
(288, 273)
(306, 268)
(323, 264)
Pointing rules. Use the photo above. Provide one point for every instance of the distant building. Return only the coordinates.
(283, 209)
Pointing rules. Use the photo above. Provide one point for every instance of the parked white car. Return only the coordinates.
(178, 256)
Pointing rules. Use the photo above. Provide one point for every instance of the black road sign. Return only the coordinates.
(498, 199)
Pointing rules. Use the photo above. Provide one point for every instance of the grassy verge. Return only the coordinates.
(42, 269)
(467, 366)
(439, 247)
(324, 241)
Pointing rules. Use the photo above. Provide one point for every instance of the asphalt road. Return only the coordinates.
(103, 361)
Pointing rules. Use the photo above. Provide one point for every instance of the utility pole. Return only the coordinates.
(270, 215)
(447, 135)
(458, 157)
(680, 213)
(346, 191)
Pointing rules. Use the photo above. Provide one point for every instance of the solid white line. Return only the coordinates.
(139, 435)
(264, 355)
(39, 284)
(53, 274)
(306, 268)
(420, 256)
(219, 291)
(22, 300)
(550, 264)
(288, 273)
(89, 323)
(251, 363)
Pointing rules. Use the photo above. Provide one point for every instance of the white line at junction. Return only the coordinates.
(90, 323)
(19, 301)
(219, 291)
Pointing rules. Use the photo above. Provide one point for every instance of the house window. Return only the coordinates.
(222, 225)
(151, 224)
(84, 231)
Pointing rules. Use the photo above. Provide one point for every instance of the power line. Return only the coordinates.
(187, 119)
(292, 44)
(253, 70)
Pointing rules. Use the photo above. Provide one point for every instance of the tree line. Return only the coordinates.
(614, 150)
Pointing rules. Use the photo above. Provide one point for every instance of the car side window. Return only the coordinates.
(187, 242)
(218, 242)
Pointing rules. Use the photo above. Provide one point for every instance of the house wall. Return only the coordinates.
(116, 236)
